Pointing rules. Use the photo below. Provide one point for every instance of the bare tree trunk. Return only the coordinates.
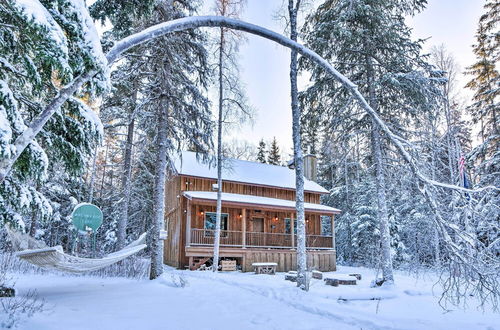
(93, 175)
(104, 170)
(349, 229)
(127, 169)
(302, 281)
(219, 157)
(159, 188)
(383, 217)
(33, 225)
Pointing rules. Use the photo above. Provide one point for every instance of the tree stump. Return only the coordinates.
(291, 277)
(347, 282)
(340, 281)
(358, 276)
(317, 275)
(7, 292)
(331, 281)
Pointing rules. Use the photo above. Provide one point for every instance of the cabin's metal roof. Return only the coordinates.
(257, 201)
(243, 171)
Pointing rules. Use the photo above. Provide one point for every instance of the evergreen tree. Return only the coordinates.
(120, 109)
(274, 156)
(484, 83)
(168, 77)
(372, 46)
(43, 47)
(261, 153)
(485, 157)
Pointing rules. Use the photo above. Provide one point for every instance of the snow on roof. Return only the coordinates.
(258, 200)
(243, 171)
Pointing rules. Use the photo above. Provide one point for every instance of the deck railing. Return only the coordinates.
(206, 237)
(257, 239)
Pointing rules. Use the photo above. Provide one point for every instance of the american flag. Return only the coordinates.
(461, 165)
(463, 176)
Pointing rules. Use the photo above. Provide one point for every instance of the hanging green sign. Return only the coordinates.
(87, 217)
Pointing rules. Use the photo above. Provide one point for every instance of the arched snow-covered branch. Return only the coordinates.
(209, 21)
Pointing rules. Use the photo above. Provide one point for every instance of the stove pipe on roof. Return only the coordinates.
(310, 167)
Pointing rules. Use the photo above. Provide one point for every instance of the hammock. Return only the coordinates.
(39, 254)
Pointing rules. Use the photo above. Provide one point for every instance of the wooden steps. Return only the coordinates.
(196, 262)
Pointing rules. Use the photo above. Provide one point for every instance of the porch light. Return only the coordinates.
(275, 218)
(201, 213)
(241, 215)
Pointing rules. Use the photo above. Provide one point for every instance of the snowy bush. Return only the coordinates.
(14, 309)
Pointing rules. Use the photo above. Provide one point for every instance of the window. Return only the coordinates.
(210, 218)
(288, 226)
(326, 225)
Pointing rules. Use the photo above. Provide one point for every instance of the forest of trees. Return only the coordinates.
(422, 190)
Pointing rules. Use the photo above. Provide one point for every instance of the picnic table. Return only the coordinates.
(265, 267)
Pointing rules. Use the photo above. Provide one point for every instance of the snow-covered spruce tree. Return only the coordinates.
(371, 45)
(261, 152)
(485, 158)
(43, 47)
(119, 110)
(274, 154)
(175, 110)
(351, 188)
(232, 102)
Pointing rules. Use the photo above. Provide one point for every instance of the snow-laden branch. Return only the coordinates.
(37, 124)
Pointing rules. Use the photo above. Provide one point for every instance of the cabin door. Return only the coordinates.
(258, 225)
(258, 235)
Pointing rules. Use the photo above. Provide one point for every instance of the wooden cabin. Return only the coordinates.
(258, 221)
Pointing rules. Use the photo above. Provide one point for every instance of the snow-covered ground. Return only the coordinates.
(242, 301)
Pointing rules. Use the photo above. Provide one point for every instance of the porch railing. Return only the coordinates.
(206, 237)
(257, 239)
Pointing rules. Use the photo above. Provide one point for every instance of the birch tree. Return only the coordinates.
(232, 101)
(298, 160)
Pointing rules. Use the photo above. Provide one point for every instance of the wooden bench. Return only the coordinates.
(265, 267)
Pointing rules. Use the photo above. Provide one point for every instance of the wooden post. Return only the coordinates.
(188, 224)
(292, 230)
(333, 231)
(244, 228)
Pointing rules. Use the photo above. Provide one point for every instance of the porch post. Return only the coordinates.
(244, 228)
(333, 231)
(292, 229)
(188, 224)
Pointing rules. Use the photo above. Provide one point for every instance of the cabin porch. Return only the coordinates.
(322, 260)
(257, 232)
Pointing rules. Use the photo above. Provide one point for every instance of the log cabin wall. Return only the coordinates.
(173, 247)
(176, 208)
(204, 184)
(271, 225)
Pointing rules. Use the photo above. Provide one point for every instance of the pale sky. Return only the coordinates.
(265, 65)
